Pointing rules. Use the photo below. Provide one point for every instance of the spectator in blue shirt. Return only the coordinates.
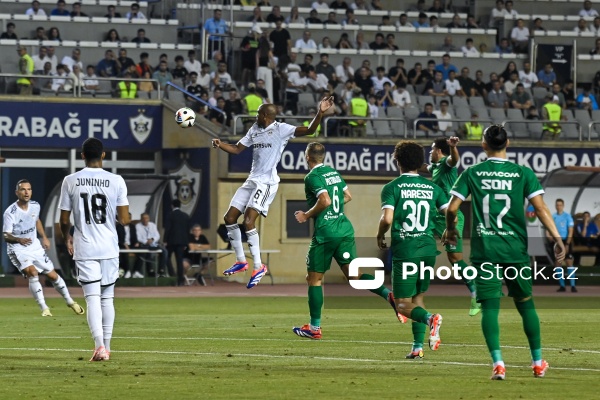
(427, 126)
(586, 100)
(60, 9)
(587, 229)
(445, 67)
(547, 76)
(215, 25)
(503, 47)
(421, 22)
(107, 67)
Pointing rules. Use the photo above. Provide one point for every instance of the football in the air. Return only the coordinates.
(185, 117)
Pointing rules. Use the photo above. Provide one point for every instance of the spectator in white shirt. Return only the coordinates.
(52, 58)
(453, 85)
(344, 71)
(317, 82)
(148, 237)
(70, 61)
(468, 48)
(192, 64)
(90, 83)
(596, 25)
(520, 37)
(135, 12)
(306, 42)
(320, 4)
(35, 9)
(204, 77)
(587, 10)
(401, 96)
(444, 115)
(511, 85)
(582, 26)
(380, 79)
(59, 82)
(40, 59)
(373, 108)
(509, 9)
(527, 77)
(497, 14)
(221, 77)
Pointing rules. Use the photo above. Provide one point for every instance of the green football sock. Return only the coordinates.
(470, 284)
(418, 330)
(490, 310)
(531, 326)
(419, 314)
(315, 304)
(380, 291)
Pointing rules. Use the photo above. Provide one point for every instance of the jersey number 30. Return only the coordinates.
(418, 219)
(98, 206)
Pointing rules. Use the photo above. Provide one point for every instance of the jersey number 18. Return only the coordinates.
(98, 206)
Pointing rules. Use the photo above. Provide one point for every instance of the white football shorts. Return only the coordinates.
(256, 195)
(104, 271)
(38, 258)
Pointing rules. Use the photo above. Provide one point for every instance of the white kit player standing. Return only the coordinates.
(21, 225)
(268, 139)
(95, 198)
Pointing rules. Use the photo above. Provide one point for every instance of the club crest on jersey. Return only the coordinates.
(140, 126)
(186, 188)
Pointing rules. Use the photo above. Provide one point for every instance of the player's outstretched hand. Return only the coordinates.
(450, 236)
(453, 141)
(381, 242)
(326, 104)
(300, 216)
(559, 251)
(216, 143)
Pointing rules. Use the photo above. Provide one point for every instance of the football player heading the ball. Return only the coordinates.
(268, 139)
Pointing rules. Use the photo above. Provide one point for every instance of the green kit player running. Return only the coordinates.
(326, 194)
(499, 241)
(444, 157)
(407, 203)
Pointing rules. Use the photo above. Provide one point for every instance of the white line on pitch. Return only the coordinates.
(369, 360)
(287, 340)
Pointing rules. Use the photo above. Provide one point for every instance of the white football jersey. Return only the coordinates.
(92, 195)
(267, 146)
(22, 224)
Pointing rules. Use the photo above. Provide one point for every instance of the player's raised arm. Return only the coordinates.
(323, 201)
(324, 105)
(228, 148)
(454, 157)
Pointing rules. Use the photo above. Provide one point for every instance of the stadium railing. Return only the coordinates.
(171, 86)
(402, 121)
(591, 129)
(3, 77)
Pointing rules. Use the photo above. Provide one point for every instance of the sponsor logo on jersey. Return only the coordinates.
(140, 126)
(415, 185)
(262, 145)
(25, 232)
(499, 174)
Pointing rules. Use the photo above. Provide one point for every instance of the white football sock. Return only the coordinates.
(61, 287)
(35, 288)
(91, 291)
(108, 313)
(254, 245)
(235, 238)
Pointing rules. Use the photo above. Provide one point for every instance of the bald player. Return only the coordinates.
(268, 139)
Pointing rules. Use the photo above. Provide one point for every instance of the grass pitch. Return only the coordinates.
(227, 348)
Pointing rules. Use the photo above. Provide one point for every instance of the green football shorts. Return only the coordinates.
(411, 285)
(517, 277)
(440, 227)
(319, 256)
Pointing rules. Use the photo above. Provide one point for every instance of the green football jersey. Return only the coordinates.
(331, 222)
(414, 200)
(443, 175)
(498, 188)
